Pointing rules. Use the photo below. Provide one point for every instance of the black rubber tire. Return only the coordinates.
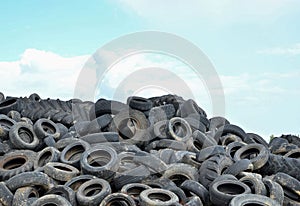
(291, 188)
(216, 122)
(139, 103)
(222, 191)
(209, 152)
(21, 135)
(194, 201)
(2, 97)
(6, 196)
(46, 127)
(101, 161)
(274, 190)
(48, 141)
(24, 195)
(213, 168)
(158, 197)
(15, 115)
(258, 139)
(179, 172)
(293, 139)
(253, 199)
(26, 179)
(103, 106)
(117, 198)
(243, 165)
(189, 107)
(135, 134)
(10, 104)
(258, 155)
(199, 141)
(161, 113)
(255, 184)
(76, 182)
(229, 138)
(72, 153)
(295, 153)
(230, 129)
(6, 124)
(16, 162)
(194, 187)
(65, 192)
(181, 123)
(233, 147)
(54, 200)
(134, 190)
(34, 97)
(160, 129)
(62, 129)
(277, 163)
(48, 154)
(92, 192)
(60, 171)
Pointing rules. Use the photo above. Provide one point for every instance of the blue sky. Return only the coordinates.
(254, 45)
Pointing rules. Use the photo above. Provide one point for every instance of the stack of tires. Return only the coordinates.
(155, 151)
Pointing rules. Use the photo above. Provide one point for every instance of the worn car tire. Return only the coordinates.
(16, 162)
(92, 192)
(252, 199)
(21, 135)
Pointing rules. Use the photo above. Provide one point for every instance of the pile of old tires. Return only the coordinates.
(150, 151)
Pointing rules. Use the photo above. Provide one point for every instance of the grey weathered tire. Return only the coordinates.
(274, 190)
(100, 161)
(181, 123)
(60, 171)
(16, 162)
(255, 183)
(158, 197)
(258, 155)
(54, 200)
(24, 195)
(195, 188)
(117, 198)
(291, 188)
(221, 192)
(48, 154)
(25, 179)
(253, 199)
(45, 127)
(213, 168)
(21, 135)
(65, 192)
(6, 196)
(180, 172)
(92, 192)
(71, 154)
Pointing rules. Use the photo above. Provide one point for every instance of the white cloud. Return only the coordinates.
(225, 11)
(293, 50)
(46, 73)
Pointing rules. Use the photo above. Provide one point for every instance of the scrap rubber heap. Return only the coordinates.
(155, 151)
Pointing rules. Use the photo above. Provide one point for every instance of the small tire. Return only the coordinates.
(158, 197)
(92, 192)
(22, 136)
(253, 199)
(53, 200)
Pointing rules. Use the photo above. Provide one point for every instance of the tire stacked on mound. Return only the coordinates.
(156, 151)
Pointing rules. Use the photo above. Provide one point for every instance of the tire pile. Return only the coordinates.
(157, 151)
